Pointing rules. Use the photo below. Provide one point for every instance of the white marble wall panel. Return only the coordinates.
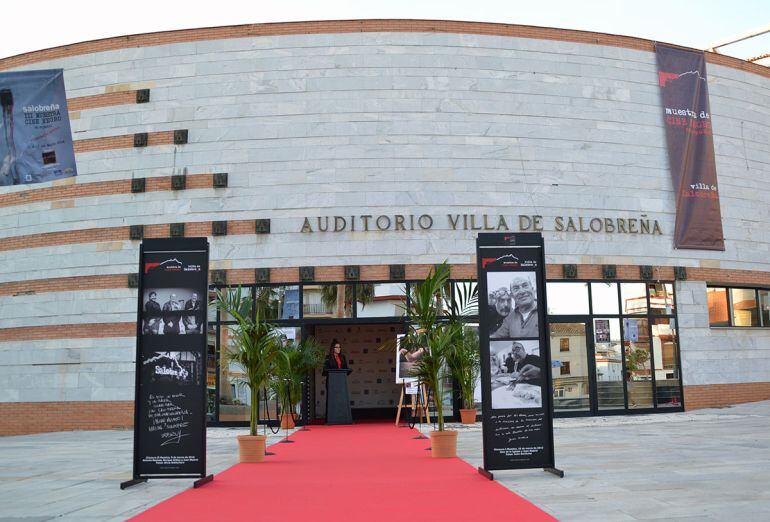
(60, 308)
(718, 355)
(67, 370)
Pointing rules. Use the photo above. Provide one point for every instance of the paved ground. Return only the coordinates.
(76, 475)
(705, 465)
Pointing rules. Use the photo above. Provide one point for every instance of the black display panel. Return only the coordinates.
(515, 354)
(170, 414)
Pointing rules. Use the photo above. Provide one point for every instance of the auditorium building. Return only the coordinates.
(333, 164)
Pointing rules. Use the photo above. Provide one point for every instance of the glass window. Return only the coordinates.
(744, 306)
(232, 293)
(327, 301)
(608, 359)
(465, 295)
(636, 341)
(380, 299)
(764, 306)
(569, 368)
(633, 298)
(717, 303)
(661, 298)
(278, 302)
(665, 350)
(212, 308)
(234, 398)
(604, 298)
(211, 374)
(567, 298)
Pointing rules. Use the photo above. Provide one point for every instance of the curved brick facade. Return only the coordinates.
(365, 118)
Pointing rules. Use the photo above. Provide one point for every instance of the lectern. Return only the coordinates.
(337, 397)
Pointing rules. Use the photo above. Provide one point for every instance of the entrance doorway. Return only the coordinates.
(374, 393)
(587, 365)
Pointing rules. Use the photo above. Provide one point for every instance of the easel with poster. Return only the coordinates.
(410, 385)
(418, 405)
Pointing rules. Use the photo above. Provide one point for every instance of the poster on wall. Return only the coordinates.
(689, 136)
(515, 356)
(601, 330)
(171, 381)
(35, 135)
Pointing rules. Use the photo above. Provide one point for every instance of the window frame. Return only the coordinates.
(730, 320)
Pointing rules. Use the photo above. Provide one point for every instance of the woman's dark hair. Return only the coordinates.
(331, 347)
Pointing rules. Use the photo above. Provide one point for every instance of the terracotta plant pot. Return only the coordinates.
(443, 444)
(251, 448)
(287, 421)
(468, 416)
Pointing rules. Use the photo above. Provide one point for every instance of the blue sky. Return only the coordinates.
(47, 23)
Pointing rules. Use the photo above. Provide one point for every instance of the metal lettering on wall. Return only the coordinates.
(641, 225)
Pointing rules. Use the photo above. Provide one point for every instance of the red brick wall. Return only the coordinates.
(124, 141)
(716, 395)
(99, 188)
(101, 100)
(20, 418)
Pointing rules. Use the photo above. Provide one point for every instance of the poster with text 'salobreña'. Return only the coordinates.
(171, 358)
(515, 354)
(35, 135)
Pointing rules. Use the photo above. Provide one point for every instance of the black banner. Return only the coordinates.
(170, 403)
(687, 116)
(515, 354)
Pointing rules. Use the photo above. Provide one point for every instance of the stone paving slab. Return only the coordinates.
(706, 465)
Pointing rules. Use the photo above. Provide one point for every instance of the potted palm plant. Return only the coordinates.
(254, 347)
(299, 358)
(435, 340)
(465, 363)
(464, 359)
(432, 371)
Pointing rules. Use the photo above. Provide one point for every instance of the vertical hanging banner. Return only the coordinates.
(687, 116)
(171, 338)
(515, 356)
(35, 135)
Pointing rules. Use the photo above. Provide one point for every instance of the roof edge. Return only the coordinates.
(357, 26)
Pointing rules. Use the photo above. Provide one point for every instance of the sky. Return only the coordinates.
(699, 24)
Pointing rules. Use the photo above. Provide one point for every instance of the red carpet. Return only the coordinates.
(363, 472)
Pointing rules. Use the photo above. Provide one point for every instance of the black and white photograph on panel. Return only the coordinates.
(164, 311)
(179, 368)
(512, 310)
(516, 375)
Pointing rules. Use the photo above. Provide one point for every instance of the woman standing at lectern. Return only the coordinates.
(336, 359)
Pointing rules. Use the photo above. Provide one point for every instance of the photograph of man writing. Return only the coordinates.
(522, 321)
(517, 381)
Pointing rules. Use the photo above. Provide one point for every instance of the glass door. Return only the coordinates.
(608, 357)
(569, 367)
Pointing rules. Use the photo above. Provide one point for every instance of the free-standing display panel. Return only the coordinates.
(170, 400)
(515, 354)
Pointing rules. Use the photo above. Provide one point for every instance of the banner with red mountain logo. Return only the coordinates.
(687, 116)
